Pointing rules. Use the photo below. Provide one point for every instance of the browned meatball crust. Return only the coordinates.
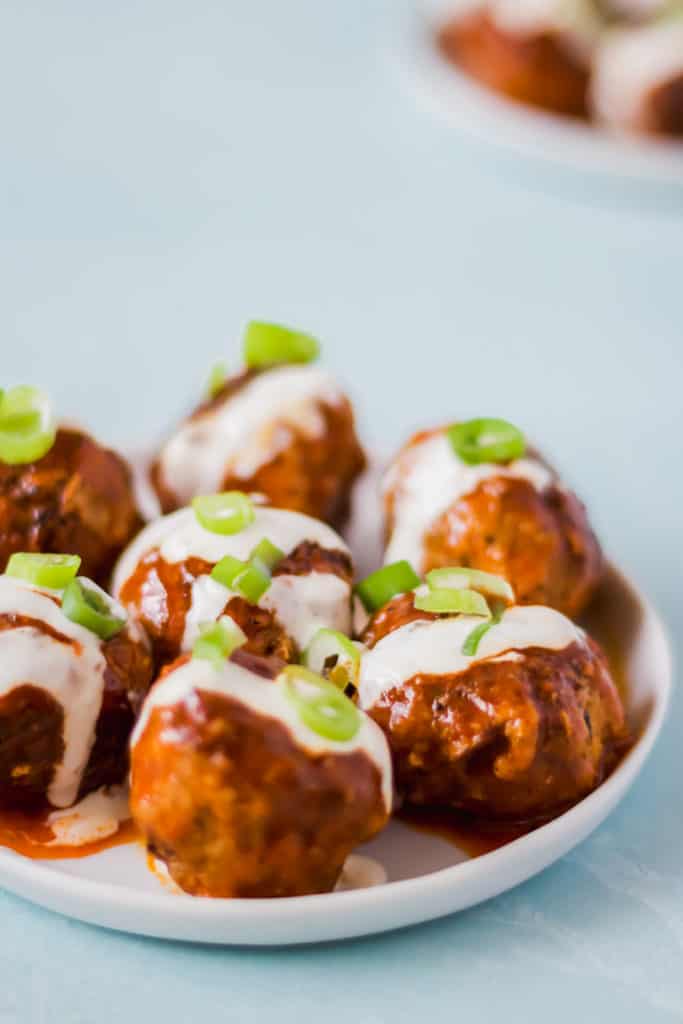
(506, 739)
(309, 475)
(235, 808)
(536, 69)
(31, 722)
(663, 109)
(78, 499)
(540, 541)
(164, 618)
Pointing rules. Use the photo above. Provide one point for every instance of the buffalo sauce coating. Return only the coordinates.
(161, 593)
(164, 618)
(77, 499)
(67, 699)
(515, 520)
(519, 732)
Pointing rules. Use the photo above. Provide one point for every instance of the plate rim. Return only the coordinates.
(517, 861)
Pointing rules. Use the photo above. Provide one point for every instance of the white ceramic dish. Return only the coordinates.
(478, 112)
(428, 876)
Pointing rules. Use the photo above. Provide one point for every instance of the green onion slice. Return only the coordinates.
(486, 440)
(217, 641)
(51, 571)
(27, 428)
(216, 381)
(250, 579)
(252, 582)
(88, 605)
(266, 554)
(266, 344)
(446, 602)
(334, 656)
(472, 640)
(457, 578)
(230, 512)
(227, 570)
(379, 587)
(320, 704)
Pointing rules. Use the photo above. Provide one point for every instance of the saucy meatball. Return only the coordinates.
(285, 431)
(68, 698)
(527, 725)
(535, 53)
(512, 518)
(78, 498)
(238, 796)
(167, 579)
(638, 79)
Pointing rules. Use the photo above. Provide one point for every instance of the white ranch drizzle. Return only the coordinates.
(266, 699)
(428, 478)
(575, 21)
(434, 647)
(360, 872)
(629, 64)
(304, 604)
(73, 675)
(97, 816)
(301, 603)
(247, 430)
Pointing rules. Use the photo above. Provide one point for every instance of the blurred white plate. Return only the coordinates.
(428, 876)
(480, 112)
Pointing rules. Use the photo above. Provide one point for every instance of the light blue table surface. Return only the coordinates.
(168, 170)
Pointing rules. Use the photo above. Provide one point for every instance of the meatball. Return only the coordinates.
(535, 54)
(526, 726)
(638, 79)
(164, 579)
(78, 498)
(284, 431)
(238, 796)
(68, 699)
(513, 519)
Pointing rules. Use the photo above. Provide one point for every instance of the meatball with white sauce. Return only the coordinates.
(178, 574)
(252, 780)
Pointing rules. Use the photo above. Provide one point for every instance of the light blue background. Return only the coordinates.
(170, 169)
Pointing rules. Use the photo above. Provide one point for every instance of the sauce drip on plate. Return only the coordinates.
(31, 835)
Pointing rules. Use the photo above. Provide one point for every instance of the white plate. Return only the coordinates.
(428, 876)
(481, 113)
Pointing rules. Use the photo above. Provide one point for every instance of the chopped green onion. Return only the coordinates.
(457, 577)
(251, 579)
(267, 554)
(334, 656)
(486, 440)
(379, 587)
(51, 571)
(225, 513)
(447, 602)
(252, 582)
(266, 344)
(472, 640)
(88, 605)
(27, 429)
(227, 570)
(217, 641)
(320, 704)
(216, 381)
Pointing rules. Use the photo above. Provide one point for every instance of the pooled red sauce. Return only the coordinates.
(29, 833)
(473, 837)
